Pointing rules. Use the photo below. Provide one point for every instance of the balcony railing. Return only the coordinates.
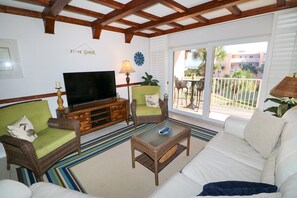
(236, 92)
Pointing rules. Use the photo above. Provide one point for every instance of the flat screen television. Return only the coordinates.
(85, 87)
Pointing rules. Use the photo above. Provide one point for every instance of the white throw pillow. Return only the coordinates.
(263, 131)
(152, 100)
(22, 129)
(13, 189)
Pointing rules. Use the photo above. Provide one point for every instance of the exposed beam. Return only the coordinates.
(49, 25)
(174, 5)
(126, 22)
(194, 11)
(281, 3)
(55, 9)
(152, 17)
(175, 25)
(147, 15)
(96, 32)
(234, 10)
(44, 3)
(49, 14)
(200, 19)
(82, 11)
(130, 8)
(20, 11)
(248, 13)
(128, 37)
(110, 3)
(38, 15)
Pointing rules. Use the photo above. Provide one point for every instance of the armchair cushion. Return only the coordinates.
(22, 129)
(50, 139)
(143, 110)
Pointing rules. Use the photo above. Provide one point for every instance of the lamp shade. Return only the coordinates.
(126, 67)
(286, 88)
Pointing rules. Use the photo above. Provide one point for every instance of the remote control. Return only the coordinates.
(164, 130)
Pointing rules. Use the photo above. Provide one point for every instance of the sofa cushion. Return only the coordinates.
(50, 139)
(263, 131)
(225, 143)
(261, 195)
(22, 129)
(49, 190)
(212, 166)
(268, 175)
(286, 160)
(13, 189)
(232, 188)
(178, 186)
(143, 110)
(288, 187)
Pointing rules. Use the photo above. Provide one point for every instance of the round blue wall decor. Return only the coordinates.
(138, 58)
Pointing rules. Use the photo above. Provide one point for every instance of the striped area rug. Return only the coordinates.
(60, 173)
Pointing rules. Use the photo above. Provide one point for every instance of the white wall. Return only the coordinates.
(44, 57)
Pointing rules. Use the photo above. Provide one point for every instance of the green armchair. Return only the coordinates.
(56, 138)
(144, 114)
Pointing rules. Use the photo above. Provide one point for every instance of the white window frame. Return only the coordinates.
(13, 54)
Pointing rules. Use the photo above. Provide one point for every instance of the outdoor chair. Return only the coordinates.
(199, 88)
(143, 112)
(181, 85)
(55, 139)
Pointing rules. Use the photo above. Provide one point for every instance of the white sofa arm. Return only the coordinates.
(235, 126)
(49, 190)
(14, 189)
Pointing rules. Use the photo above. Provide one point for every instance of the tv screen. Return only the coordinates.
(83, 87)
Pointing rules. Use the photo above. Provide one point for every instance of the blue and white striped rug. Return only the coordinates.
(61, 174)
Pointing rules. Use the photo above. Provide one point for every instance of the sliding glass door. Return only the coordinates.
(218, 80)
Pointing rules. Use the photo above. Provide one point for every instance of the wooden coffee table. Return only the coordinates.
(154, 146)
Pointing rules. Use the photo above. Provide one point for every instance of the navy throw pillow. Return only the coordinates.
(236, 188)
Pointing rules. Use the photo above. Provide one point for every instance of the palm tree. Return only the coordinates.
(201, 54)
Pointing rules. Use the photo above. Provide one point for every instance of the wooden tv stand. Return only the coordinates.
(97, 115)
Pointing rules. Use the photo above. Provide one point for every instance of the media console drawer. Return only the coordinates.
(97, 115)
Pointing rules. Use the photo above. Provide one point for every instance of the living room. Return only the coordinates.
(43, 58)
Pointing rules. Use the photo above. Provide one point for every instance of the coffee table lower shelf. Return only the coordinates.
(148, 162)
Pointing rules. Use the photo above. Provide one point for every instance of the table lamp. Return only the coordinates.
(127, 69)
(286, 88)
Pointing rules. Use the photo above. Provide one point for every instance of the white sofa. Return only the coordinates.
(14, 189)
(228, 156)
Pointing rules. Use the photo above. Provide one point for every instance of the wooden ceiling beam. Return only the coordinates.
(130, 8)
(200, 19)
(56, 7)
(175, 25)
(194, 11)
(147, 15)
(44, 3)
(234, 10)
(20, 11)
(281, 3)
(110, 3)
(82, 11)
(244, 14)
(128, 37)
(51, 12)
(126, 22)
(174, 5)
